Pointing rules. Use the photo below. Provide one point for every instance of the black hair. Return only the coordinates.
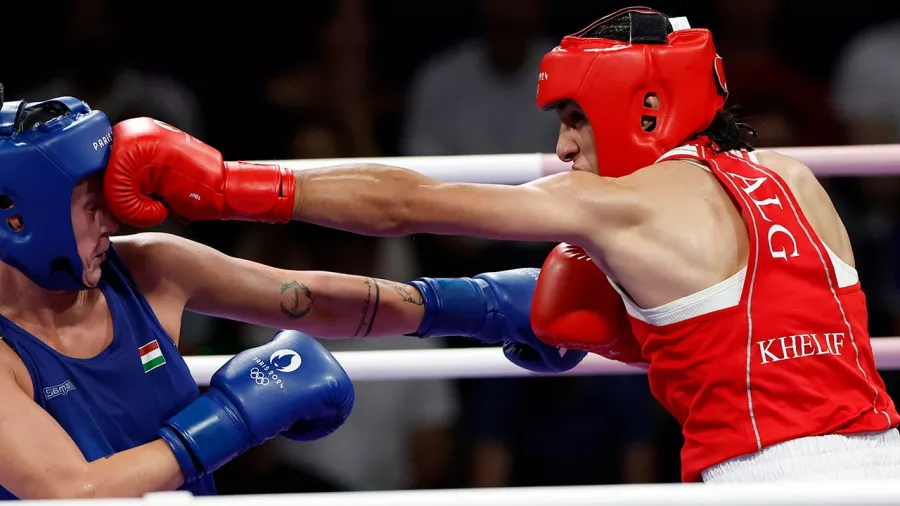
(728, 132)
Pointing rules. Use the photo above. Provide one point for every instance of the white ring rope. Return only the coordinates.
(833, 493)
(868, 160)
(454, 363)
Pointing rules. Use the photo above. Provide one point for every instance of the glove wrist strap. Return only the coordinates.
(206, 435)
(258, 192)
(185, 460)
(453, 307)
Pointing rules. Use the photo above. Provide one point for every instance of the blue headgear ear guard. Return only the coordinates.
(46, 148)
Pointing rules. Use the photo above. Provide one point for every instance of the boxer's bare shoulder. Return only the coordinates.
(674, 178)
(794, 172)
(146, 256)
(143, 253)
(814, 201)
(12, 368)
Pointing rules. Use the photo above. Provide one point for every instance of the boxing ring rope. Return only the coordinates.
(797, 494)
(866, 160)
(455, 363)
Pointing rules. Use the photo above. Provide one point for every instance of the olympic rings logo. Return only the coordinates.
(258, 376)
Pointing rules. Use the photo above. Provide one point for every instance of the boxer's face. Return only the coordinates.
(93, 223)
(576, 138)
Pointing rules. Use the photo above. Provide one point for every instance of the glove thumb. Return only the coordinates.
(130, 205)
(542, 358)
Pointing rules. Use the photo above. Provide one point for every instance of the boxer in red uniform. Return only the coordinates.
(723, 270)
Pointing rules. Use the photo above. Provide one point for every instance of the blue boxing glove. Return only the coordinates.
(291, 386)
(492, 308)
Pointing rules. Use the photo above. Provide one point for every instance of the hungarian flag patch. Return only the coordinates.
(151, 356)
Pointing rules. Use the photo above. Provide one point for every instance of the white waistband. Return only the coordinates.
(868, 456)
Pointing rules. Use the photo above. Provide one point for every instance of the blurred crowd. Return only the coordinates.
(349, 78)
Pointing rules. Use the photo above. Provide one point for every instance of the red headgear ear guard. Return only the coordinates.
(611, 67)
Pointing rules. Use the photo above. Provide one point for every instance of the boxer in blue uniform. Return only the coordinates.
(95, 399)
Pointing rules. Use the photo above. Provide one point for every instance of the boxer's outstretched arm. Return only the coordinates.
(323, 304)
(38, 460)
(389, 201)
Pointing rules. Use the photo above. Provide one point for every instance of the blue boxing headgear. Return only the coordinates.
(46, 148)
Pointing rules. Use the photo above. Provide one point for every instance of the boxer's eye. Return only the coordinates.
(573, 119)
(570, 114)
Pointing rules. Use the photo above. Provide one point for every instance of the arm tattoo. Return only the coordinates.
(296, 300)
(406, 294)
(405, 291)
(370, 308)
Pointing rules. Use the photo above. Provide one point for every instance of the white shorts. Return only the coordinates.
(867, 456)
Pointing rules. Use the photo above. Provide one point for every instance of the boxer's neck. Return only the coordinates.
(23, 300)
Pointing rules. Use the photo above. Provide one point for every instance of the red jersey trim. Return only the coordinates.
(747, 296)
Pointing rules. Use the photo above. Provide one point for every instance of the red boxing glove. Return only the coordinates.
(575, 307)
(155, 168)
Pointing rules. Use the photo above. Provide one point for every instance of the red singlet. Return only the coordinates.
(778, 351)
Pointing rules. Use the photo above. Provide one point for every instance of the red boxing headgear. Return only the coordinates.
(611, 67)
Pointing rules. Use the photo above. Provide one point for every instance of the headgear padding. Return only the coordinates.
(46, 148)
(611, 67)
